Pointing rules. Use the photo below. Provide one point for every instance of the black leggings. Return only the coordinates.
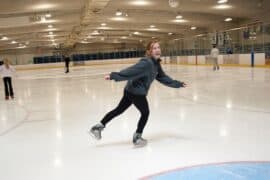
(8, 86)
(141, 104)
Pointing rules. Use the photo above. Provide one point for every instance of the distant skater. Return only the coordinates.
(214, 56)
(7, 71)
(67, 61)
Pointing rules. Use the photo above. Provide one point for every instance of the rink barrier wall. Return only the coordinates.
(86, 63)
(238, 60)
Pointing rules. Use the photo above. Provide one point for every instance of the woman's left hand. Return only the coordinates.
(184, 84)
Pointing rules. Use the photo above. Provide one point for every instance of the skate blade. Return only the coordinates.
(140, 145)
(93, 135)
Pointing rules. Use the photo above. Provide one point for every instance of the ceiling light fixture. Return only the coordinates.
(140, 3)
(152, 29)
(200, 35)
(43, 19)
(21, 46)
(48, 15)
(228, 19)
(90, 37)
(43, 6)
(119, 19)
(222, 6)
(95, 32)
(178, 16)
(4, 38)
(118, 13)
(222, 1)
(103, 27)
(180, 20)
(193, 28)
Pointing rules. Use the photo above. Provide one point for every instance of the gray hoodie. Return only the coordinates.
(141, 75)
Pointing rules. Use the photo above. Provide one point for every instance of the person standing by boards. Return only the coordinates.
(214, 56)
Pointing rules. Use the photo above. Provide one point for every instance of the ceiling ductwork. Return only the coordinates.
(66, 23)
(91, 10)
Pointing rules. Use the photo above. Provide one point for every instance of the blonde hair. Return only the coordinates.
(6, 63)
(149, 47)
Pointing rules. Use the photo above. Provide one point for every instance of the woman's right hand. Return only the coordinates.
(107, 77)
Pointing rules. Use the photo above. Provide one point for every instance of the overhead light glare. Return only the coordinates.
(222, 1)
(118, 13)
(179, 20)
(228, 19)
(222, 6)
(48, 15)
(179, 17)
(4, 38)
(140, 3)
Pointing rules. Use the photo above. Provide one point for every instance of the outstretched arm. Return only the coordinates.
(136, 71)
(168, 81)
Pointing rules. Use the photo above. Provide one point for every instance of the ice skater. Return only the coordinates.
(7, 71)
(214, 56)
(67, 61)
(139, 78)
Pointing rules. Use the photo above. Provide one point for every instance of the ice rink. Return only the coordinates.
(222, 116)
